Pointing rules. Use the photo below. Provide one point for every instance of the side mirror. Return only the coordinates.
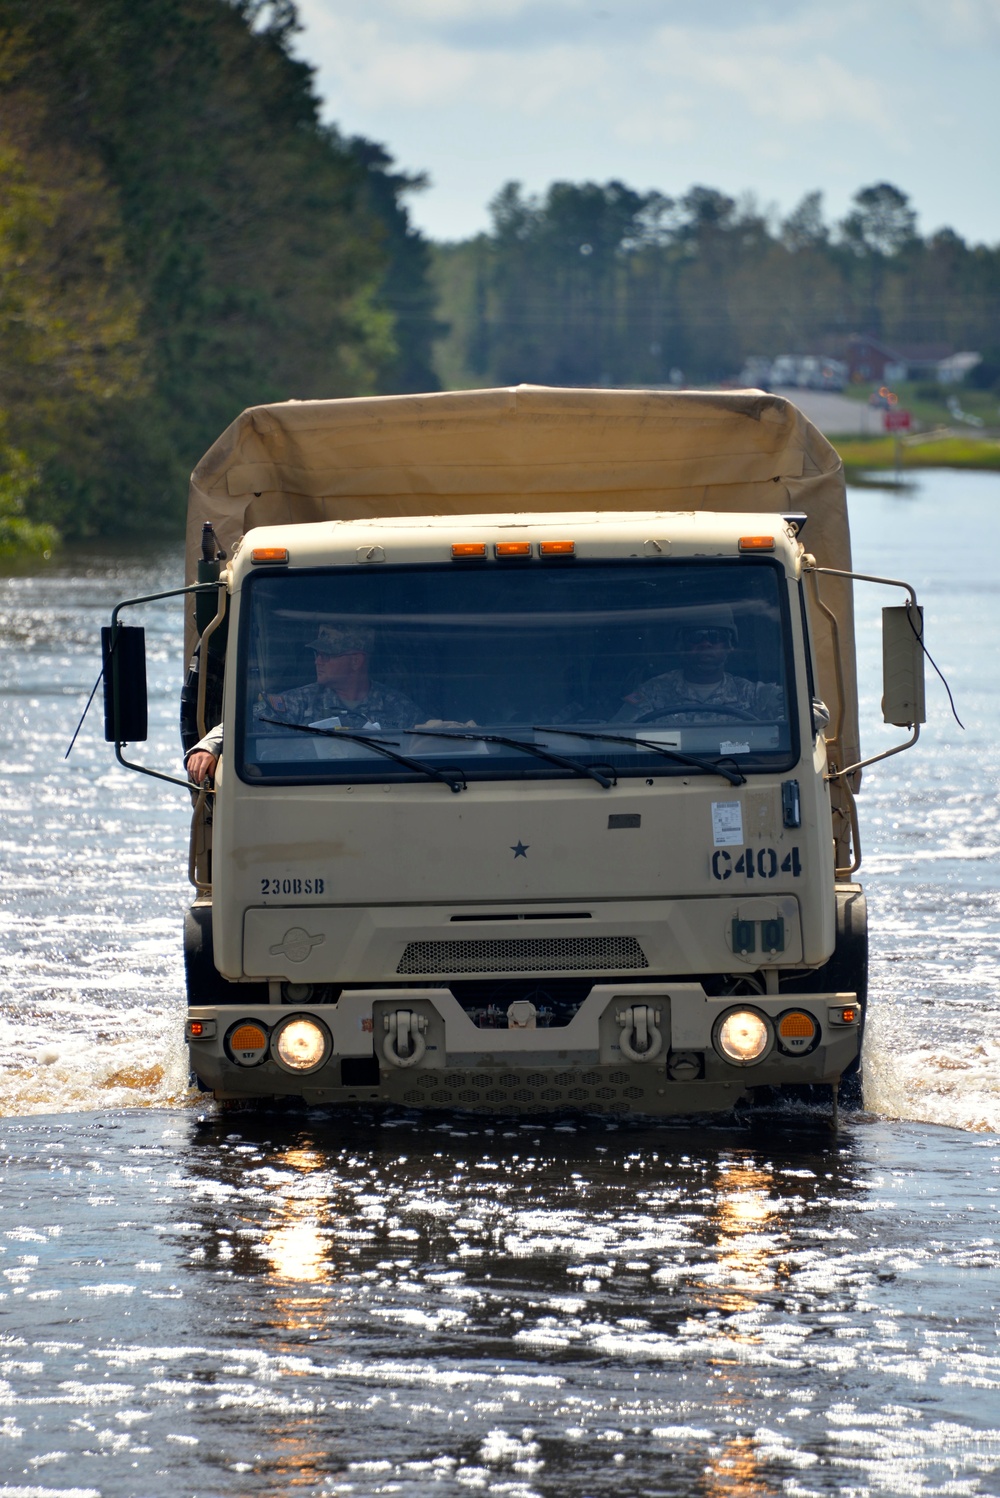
(903, 666)
(126, 715)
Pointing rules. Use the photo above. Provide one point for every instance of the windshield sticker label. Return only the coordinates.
(734, 746)
(727, 823)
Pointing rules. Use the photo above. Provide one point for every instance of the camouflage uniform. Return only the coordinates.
(672, 694)
(318, 700)
(314, 702)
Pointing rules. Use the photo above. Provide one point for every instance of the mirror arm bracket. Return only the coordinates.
(126, 603)
(889, 582)
(210, 629)
(861, 577)
(836, 774)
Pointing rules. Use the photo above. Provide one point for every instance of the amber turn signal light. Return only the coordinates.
(796, 1025)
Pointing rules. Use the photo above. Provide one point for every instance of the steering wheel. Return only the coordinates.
(739, 713)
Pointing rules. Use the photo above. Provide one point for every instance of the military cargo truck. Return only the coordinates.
(534, 729)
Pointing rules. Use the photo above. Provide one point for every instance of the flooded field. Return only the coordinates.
(192, 1305)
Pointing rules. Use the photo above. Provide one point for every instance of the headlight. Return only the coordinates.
(743, 1036)
(300, 1044)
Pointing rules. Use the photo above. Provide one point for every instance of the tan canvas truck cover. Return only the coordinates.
(532, 449)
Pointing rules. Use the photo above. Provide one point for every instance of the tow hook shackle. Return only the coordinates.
(640, 1039)
(404, 1043)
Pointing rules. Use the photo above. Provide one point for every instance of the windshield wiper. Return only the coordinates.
(714, 766)
(454, 779)
(606, 781)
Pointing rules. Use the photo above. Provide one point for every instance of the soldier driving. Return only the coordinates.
(343, 690)
(702, 681)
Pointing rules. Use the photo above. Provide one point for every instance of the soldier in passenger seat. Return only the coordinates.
(702, 684)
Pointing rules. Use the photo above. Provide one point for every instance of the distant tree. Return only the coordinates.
(406, 289)
(70, 312)
(804, 228)
(553, 302)
(706, 209)
(881, 221)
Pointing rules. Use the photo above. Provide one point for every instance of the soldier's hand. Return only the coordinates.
(443, 723)
(201, 766)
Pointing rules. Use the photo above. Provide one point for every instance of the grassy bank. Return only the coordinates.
(959, 451)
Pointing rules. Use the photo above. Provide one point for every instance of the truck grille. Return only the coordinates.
(552, 954)
(601, 1091)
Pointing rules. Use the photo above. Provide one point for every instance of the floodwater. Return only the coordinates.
(193, 1305)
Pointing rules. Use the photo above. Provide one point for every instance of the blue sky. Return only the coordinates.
(776, 99)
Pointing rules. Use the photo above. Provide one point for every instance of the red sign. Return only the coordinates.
(896, 421)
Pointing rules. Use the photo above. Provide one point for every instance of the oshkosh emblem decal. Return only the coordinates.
(296, 944)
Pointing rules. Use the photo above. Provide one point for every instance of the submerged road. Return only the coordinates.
(366, 1306)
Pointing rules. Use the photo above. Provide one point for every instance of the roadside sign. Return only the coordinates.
(896, 421)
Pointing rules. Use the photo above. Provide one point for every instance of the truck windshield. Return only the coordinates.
(636, 657)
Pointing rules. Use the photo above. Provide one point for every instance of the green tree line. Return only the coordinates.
(591, 284)
(180, 236)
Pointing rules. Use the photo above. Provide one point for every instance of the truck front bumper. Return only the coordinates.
(642, 1048)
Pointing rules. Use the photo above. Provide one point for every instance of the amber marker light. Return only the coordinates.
(247, 1043)
(270, 554)
(196, 1028)
(756, 543)
(513, 548)
(849, 1014)
(798, 1032)
(557, 548)
(463, 551)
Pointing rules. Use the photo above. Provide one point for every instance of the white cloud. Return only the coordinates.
(962, 23)
(815, 92)
(373, 66)
(777, 97)
(463, 10)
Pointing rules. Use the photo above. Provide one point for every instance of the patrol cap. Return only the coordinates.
(342, 640)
